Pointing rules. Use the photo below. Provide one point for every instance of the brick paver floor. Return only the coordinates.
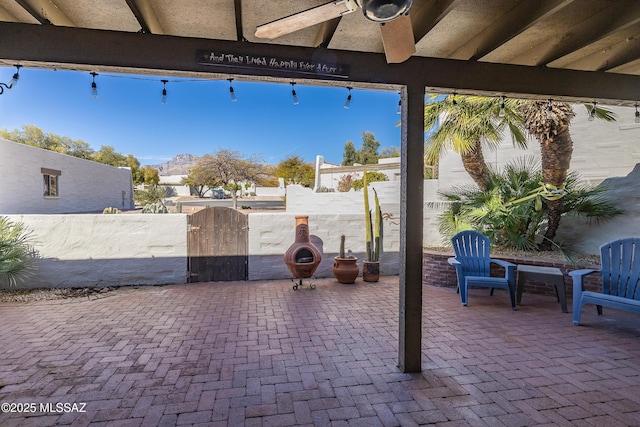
(262, 354)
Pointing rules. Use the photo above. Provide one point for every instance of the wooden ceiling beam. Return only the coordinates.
(50, 46)
(237, 4)
(427, 16)
(521, 17)
(611, 21)
(46, 12)
(146, 16)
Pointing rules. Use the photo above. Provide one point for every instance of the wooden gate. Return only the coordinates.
(218, 245)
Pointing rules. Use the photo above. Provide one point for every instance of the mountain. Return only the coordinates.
(179, 165)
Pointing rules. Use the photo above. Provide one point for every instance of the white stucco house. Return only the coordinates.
(37, 181)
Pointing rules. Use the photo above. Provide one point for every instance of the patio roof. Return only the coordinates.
(586, 35)
(260, 353)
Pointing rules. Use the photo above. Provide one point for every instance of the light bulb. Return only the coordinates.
(637, 114)
(294, 95)
(232, 92)
(163, 100)
(502, 111)
(347, 103)
(399, 110)
(592, 113)
(94, 86)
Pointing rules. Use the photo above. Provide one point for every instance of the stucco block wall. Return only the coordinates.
(84, 186)
(107, 250)
(270, 235)
(300, 199)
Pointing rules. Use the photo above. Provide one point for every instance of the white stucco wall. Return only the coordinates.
(107, 250)
(301, 200)
(84, 186)
(271, 234)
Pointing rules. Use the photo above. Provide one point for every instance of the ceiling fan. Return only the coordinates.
(393, 15)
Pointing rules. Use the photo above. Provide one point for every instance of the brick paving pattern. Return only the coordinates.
(262, 354)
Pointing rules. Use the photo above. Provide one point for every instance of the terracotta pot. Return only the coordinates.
(370, 271)
(302, 257)
(345, 269)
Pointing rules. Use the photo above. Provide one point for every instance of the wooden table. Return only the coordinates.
(536, 273)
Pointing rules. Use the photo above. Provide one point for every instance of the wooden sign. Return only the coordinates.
(294, 66)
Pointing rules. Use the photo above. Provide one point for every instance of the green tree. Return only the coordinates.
(109, 156)
(294, 170)
(36, 137)
(368, 153)
(464, 123)
(195, 183)
(150, 176)
(549, 122)
(228, 169)
(16, 252)
(391, 151)
(349, 156)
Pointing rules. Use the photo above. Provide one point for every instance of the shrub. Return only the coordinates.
(150, 195)
(511, 211)
(371, 177)
(111, 210)
(16, 252)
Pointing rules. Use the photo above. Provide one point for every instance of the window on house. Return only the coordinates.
(51, 182)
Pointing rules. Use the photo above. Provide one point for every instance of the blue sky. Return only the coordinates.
(199, 117)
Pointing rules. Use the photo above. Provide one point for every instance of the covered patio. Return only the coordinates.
(262, 354)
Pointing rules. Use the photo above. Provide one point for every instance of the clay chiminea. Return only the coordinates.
(302, 257)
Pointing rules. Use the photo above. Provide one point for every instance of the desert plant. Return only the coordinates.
(373, 228)
(153, 194)
(155, 208)
(16, 252)
(511, 211)
(343, 253)
(111, 210)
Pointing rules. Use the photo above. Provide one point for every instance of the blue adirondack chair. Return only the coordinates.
(472, 263)
(620, 272)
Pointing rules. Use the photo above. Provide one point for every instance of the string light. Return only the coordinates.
(637, 114)
(550, 105)
(454, 103)
(293, 94)
(13, 82)
(347, 103)
(399, 110)
(164, 92)
(592, 113)
(232, 93)
(502, 111)
(94, 86)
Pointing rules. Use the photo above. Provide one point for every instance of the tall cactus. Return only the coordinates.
(373, 243)
(342, 252)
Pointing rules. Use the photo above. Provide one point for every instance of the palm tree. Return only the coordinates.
(464, 123)
(16, 252)
(548, 122)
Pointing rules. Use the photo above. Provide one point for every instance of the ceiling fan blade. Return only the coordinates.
(305, 19)
(397, 39)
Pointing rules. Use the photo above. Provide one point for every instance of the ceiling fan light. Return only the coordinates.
(384, 10)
